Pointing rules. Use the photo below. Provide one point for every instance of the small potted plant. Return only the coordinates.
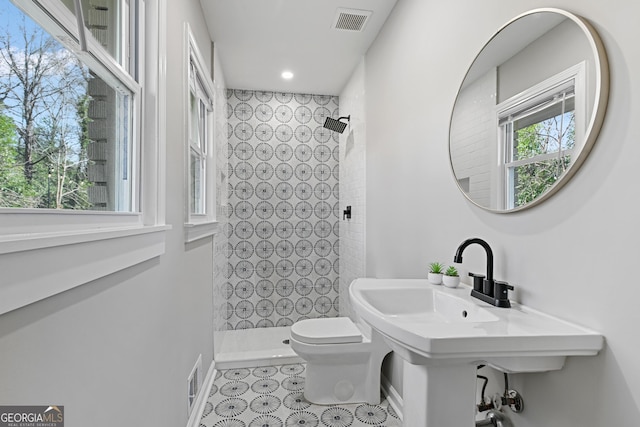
(435, 273)
(451, 279)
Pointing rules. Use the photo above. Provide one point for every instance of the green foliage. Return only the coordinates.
(58, 176)
(15, 191)
(533, 179)
(451, 271)
(436, 268)
(529, 142)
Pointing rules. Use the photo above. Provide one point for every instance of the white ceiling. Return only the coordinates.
(258, 39)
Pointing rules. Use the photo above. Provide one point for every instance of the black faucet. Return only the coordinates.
(485, 288)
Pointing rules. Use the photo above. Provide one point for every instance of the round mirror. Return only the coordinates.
(529, 110)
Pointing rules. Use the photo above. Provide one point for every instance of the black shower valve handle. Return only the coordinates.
(346, 214)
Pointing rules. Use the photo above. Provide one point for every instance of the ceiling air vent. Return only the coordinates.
(351, 19)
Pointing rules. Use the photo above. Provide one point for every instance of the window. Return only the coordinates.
(538, 132)
(200, 219)
(199, 112)
(80, 159)
(107, 22)
(69, 139)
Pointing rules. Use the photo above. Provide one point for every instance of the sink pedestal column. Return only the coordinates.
(439, 394)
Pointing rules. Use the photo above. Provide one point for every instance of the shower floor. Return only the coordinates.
(247, 348)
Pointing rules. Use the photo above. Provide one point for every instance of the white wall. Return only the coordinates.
(572, 256)
(221, 268)
(352, 186)
(119, 350)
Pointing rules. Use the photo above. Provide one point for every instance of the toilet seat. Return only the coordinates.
(335, 330)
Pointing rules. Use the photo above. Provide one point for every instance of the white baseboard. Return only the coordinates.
(203, 396)
(392, 395)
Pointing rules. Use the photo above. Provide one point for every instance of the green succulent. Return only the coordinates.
(436, 267)
(451, 271)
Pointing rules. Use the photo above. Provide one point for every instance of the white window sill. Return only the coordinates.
(199, 230)
(35, 266)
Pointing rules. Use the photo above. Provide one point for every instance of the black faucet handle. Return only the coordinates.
(478, 279)
(501, 290)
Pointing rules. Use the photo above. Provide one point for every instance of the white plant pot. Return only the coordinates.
(451, 281)
(434, 278)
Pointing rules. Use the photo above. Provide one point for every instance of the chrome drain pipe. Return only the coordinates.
(495, 419)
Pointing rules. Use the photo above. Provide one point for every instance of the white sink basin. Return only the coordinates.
(423, 304)
(436, 322)
(443, 334)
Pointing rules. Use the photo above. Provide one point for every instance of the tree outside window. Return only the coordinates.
(555, 136)
(66, 134)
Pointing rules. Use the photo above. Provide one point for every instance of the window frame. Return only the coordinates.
(199, 225)
(521, 101)
(71, 248)
(109, 70)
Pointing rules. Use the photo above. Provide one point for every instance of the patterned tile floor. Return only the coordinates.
(272, 396)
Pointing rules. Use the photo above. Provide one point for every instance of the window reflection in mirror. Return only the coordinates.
(537, 131)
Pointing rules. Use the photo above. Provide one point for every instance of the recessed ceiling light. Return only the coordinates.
(287, 75)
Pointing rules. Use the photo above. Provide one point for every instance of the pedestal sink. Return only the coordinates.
(443, 334)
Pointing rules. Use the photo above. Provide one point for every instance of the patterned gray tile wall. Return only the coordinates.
(283, 246)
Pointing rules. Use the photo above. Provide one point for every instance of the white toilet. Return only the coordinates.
(343, 364)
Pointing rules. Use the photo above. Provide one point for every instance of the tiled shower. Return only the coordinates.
(281, 240)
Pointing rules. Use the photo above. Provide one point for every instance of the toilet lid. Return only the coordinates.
(333, 330)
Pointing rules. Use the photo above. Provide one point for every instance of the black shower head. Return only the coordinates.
(336, 125)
